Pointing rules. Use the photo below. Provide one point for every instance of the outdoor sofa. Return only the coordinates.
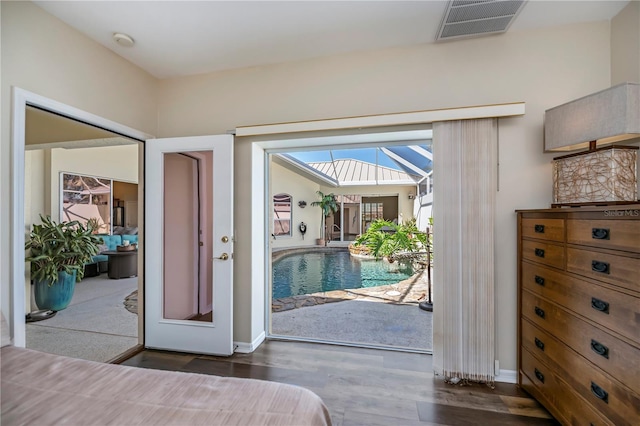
(99, 262)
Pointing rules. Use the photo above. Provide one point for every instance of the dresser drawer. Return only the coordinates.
(612, 309)
(541, 382)
(598, 388)
(612, 234)
(543, 228)
(614, 356)
(546, 253)
(619, 270)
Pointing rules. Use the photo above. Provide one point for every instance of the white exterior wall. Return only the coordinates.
(300, 188)
(422, 210)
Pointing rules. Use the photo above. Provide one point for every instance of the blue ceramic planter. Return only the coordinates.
(58, 296)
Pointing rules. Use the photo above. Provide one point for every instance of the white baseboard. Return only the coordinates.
(247, 348)
(507, 376)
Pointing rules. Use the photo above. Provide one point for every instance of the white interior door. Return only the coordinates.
(173, 244)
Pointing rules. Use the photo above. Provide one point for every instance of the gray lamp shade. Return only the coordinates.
(608, 116)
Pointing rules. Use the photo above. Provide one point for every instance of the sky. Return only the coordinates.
(364, 154)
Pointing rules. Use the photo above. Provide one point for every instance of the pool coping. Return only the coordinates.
(284, 252)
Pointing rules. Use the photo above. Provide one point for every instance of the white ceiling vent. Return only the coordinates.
(473, 18)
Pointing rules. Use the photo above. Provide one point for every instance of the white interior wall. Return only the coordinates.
(625, 52)
(69, 68)
(112, 162)
(543, 68)
(625, 45)
(36, 198)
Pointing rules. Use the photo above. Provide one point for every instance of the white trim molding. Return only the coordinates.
(21, 99)
(405, 118)
(507, 376)
(247, 348)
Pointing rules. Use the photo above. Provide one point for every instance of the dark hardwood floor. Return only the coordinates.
(365, 386)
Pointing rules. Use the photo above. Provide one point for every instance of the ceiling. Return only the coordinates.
(44, 129)
(175, 38)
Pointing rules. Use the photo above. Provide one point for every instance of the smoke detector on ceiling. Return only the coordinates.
(474, 18)
(123, 39)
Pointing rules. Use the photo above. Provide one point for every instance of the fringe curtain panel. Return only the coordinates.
(465, 188)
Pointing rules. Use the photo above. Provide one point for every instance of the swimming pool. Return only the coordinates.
(316, 271)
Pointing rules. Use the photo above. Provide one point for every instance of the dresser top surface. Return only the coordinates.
(632, 209)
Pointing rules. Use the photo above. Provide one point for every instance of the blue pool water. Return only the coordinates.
(317, 271)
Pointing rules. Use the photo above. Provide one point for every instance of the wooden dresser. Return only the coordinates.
(579, 312)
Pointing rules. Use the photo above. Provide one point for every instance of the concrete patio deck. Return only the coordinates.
(374, 316)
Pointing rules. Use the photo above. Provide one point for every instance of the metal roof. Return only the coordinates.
(357, 172)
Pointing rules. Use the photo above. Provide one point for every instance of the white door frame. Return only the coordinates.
(281, 136)
(319, 143)
(21, 99)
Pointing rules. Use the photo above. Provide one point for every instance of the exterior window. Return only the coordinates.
(282, 214)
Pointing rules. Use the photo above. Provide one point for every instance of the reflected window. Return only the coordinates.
(86, 199)
(282, 214)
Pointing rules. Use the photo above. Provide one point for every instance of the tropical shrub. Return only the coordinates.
(387, 239)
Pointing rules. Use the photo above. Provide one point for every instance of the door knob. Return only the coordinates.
(223, 256)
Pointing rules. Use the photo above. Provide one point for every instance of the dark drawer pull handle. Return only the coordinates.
(539, 252)
(540, 344)
(540, 376)
(539, 229)
(539, 280)
(601, 267)
(599, 392)
(600, 305)
(600, 233)
(599, 348)
(539, 312)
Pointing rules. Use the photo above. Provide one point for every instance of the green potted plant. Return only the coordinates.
(329, 205)
(57, 253)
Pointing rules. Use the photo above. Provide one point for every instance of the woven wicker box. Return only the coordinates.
(598, 176)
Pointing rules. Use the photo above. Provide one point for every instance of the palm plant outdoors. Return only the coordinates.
(59, 247)
(328, 204)
(384, 238)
